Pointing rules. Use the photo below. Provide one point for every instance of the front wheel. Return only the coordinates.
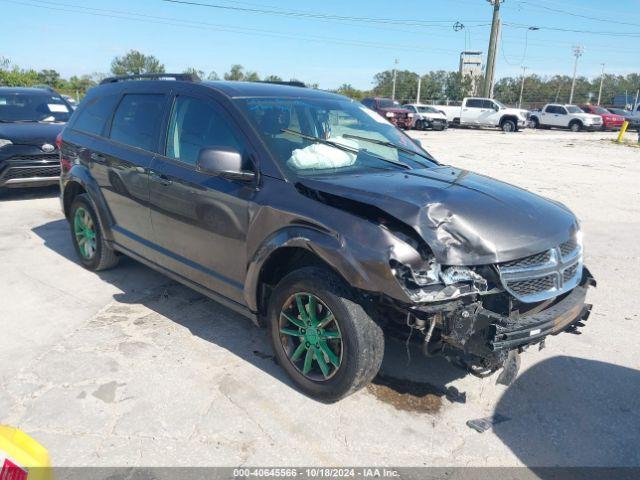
(95, 254)
(575, 126)
(321, 336)
(508, 126)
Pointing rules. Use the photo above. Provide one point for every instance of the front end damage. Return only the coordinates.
(481, 269)
(482, 317)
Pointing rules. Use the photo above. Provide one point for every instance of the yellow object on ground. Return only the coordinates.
(622, 130)
(21, 457)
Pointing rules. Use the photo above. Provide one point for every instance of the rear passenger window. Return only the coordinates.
(474, 103)
(194, 125)
(93, 117)
(137, 119)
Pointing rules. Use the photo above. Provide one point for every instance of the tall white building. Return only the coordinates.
(471, 65)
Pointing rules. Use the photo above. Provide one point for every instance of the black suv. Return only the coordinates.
(309, 214)
(30, 120)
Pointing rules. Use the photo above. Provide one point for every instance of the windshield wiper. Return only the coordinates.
(343, 147)
(387, 144)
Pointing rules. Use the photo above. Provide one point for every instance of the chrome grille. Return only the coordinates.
(543, 275)
(536, 259)
(32, 172)
(50, 157)
(533, 286)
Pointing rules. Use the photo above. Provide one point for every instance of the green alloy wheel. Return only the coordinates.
(311, 336)
(94, 252)
(321, 335)
(85, 232)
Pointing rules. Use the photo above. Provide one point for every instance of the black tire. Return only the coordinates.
(103, 257)
(575, 126)
(508, 126)
(535, 122)
(362, 340)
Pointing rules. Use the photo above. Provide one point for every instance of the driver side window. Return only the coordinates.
(196, 124)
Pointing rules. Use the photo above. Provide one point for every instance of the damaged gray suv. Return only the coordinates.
(311, 214)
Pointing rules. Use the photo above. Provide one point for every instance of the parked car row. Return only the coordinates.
(30, 120)
(309, 214)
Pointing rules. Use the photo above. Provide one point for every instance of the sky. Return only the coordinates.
(330, 42)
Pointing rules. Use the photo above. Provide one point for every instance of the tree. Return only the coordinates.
(237, 73)
(272, 78)
(350, 91)
(194, 71)
(213, 76)
(136, 63)
(49, 77)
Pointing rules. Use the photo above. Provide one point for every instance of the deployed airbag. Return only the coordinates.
(319, 156)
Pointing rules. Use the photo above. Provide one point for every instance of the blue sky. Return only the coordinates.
(65, 36)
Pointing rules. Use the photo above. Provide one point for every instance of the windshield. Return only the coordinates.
(386, 103)
(500, 104)
(600, 111)
(32, 107)
(573, 109)
(427, 110)
(325, 136)
(618, 111)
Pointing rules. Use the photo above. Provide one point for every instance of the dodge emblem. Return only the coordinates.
(48, 148)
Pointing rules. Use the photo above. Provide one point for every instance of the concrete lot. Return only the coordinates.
(126, 367)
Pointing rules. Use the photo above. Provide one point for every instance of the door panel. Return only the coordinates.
(200, 221)
(121, 166)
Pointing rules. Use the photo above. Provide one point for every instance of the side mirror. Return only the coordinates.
(223, 162)
(418, 142)
(496, 107)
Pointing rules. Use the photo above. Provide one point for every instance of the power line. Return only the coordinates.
(571, 30)
(317, 15)
(140, 17)
(573, 14)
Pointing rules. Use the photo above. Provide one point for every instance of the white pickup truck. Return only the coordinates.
(485, 112)
(565, 116)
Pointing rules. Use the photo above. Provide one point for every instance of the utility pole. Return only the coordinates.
(395, 73)
(578, 50)
(489, 74)
(601, 82)
(419, 85)
(524, 71)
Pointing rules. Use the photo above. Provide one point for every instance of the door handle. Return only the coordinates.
(161, 178)
(98, 158)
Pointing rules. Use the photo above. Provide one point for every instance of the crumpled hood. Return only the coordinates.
(31, 133)
(466, 218)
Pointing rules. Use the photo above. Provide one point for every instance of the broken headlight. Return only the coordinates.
(427, 274)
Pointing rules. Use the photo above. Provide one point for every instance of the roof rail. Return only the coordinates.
(184, 77)
(292, 83)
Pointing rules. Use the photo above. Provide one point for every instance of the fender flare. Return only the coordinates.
(325, 245)
(80, 174)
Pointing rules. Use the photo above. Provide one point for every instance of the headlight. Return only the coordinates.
(4, 143)
(453, 275)
(428, 274)
(390, 114)
(410, 115)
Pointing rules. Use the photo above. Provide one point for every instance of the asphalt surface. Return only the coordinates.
(127, 368)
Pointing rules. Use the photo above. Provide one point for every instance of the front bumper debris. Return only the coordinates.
(564, 315)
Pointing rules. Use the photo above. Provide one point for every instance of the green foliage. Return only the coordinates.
(238, 73)
(135, 63)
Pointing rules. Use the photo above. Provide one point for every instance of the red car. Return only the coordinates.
(610, 121)
(391, 110)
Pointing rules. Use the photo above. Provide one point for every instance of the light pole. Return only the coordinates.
(578, 50)
(601, 82)
(395, 72)
(524, 71)
(419, 85)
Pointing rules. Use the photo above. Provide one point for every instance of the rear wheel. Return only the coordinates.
(321, 337)
(95, 254)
